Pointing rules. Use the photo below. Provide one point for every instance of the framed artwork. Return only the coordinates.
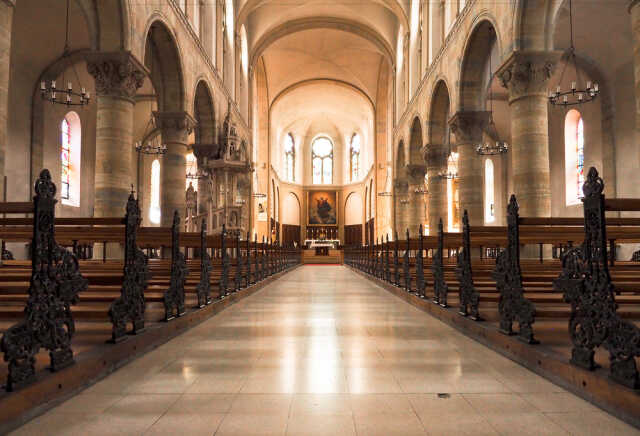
(262, 212)
(322, 208)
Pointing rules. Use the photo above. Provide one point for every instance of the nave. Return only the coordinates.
(324, 351)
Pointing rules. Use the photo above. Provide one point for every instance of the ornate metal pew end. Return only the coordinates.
(131, 305)
(174, 296)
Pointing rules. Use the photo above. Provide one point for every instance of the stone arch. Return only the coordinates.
(204, 113)
(416, 142)
(353, 208)
(114, 22)
(162, 59)
(439, 111)
(473, 72)
(436, 156)
(292, 210)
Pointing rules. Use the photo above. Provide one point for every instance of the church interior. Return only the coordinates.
(304, 217)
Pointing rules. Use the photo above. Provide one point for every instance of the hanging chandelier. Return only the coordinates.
(258, 195)
(66, 96)
(147, 144)
(386, 192)
(494, 145)
(578, 93)
(451, 173)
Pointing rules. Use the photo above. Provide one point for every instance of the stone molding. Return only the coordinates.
(469, 125)
(527, 72)
(116, 74)
(416, 171)
(435, 154)
(175, 121)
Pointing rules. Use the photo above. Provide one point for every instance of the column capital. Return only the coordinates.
(434, 154)
(469, 125)
(179, 121)
(117, 74)
(527, 72)
(11, 3)
(416, 171)
(632, 4)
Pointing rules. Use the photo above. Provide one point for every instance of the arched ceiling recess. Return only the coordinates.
(347, 108)
(383, 15)
(327, 54)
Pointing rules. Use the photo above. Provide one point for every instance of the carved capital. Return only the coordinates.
(528, 72)
(469, 125)
(416, 172)
(435, 154)
(633, 4)
(117, 74)
(179, 122)
(11, 3)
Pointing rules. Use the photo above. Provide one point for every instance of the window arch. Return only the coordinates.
(154, 204)
(489, 200)
(289, 158)
(191, 171)
(574, 156)
(354, 153)
(322, 159)
(70, 157)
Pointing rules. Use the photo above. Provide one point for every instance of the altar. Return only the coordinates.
(322, 251)
(321, 243)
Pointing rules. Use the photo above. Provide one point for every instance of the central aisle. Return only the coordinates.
(324, 351)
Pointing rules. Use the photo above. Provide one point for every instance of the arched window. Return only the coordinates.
(322, 158)
(355, 157)
(192, 171)
(574, 156)
(489, 203)
(70, 156)
(195, 17)
(289, 158)
(154, 204)
(453, 197)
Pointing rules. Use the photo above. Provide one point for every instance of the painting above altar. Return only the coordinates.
(322, 208)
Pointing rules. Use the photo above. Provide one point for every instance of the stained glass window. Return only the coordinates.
(580, 156)
(322, 159)
(355, 157)
(289, 158)
(65, 157)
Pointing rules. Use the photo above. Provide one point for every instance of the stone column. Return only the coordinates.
(634, 11)
(435, 156)
(417, 200)
(468, 127)
(118, 75)
(525, 74)
(401, 197)
(6, 20)
(175, 128)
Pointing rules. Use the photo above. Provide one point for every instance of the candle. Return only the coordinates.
(573, 86)
(88, 96)
(53, 84)
(84, 91)
(43, 86)
(69, 86)
(580, 96)
(589, 85)
(596, 87)
(558, 90)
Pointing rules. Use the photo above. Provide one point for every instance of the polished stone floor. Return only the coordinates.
(323, 351)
